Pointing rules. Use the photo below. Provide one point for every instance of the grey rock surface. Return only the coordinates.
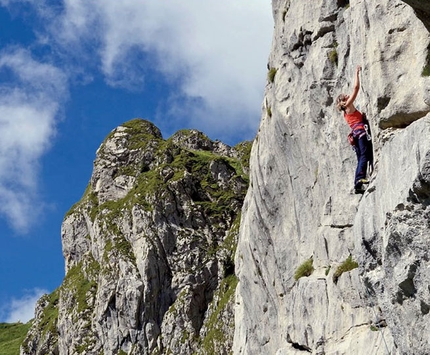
(300, 205)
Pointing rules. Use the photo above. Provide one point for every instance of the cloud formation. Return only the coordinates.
(212, 54)
(30, 95)
(22, 309)
(215, 51)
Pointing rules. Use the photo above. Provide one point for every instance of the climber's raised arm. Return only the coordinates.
(350, 99)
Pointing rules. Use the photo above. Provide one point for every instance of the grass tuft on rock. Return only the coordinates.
(346, 266)
(426, 69)
(333, 57)
(304, 270)
(271, 75)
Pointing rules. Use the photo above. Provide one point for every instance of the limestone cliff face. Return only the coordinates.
(149, 250)
(303, 231)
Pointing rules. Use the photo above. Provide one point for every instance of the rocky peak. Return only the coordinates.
(149, 249)
(130, 146)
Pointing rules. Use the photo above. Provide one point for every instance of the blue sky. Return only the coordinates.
(73, 70)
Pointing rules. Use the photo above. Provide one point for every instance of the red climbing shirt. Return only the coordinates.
(353, 118)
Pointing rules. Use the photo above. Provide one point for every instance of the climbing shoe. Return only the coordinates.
(359, 189)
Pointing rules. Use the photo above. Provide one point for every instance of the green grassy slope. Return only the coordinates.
(11, 337)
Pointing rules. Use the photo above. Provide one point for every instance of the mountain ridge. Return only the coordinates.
(148, 249)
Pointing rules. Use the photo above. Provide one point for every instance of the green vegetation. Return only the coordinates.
(152, 184)
(244, 150)
(216, 332)
(118, 244)
(11, 337)
(141, 133)
(48, 322)
(90, 198)
(86, 344)
(426, 69)
(333, 57)
(184, 134)
(80, 284)
(271, 75)
(346, 266)
(306, 269)
(269, 111)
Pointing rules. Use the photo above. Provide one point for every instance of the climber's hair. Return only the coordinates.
(340, 102)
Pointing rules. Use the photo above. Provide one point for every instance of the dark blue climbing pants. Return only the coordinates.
(364, 151)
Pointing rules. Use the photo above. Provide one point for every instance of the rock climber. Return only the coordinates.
(359, 137)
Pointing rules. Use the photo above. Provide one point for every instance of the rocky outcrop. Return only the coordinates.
(149, 249)
(303, 231)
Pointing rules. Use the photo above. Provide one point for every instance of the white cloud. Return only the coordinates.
(22, 309)
(216, 49)
(213, 52)
(29, 105)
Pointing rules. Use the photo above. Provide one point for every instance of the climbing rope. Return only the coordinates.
(371, 167)
(372, 306)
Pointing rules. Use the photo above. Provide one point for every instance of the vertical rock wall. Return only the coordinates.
(300, 206)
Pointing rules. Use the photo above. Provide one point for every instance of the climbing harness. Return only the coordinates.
(357, 131)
